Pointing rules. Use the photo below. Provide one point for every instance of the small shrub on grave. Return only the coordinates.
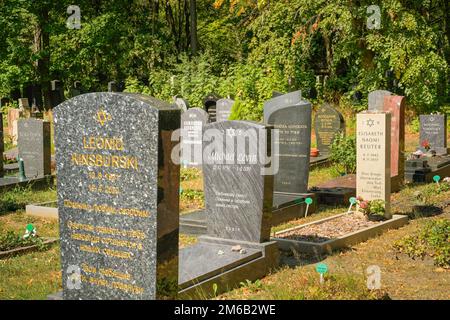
(432, 240)
(343, 154)
(11, 240)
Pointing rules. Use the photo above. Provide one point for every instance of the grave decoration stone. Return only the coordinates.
(373, 157)
(118, 196)
(56, 93)
(192, 123)
(209, 103)
(395, 105)
(238, 196)
(433, 129)
(223, 109)
(376, 100)
(183, 104)
(2, 146)
(328, 122)
(34, 147)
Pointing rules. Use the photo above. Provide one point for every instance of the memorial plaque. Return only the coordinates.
(292, 117)
(223, 109)
(2, 146)
(433, 128)
(238, 188)
(395, 105)
(34, 147)
(192, 122)
(376, 100)
(373, 153)
(328, 122)
(118, 196)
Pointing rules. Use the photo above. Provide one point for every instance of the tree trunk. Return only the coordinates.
(193, 18)
(42, 47)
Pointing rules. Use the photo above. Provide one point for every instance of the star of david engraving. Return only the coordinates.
(103, 117)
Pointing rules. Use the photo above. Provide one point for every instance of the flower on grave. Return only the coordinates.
(426, 145)
(30, 231)
(446, 179)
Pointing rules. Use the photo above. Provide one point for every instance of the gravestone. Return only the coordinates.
(292, 117)
(433, 128)
(2, 146)
(182, 104)
(34, 147)
(118, 196)
(395, 105)
(112, 86)
(192, 122)
(223, 109)
(376, 100)
(209, 103)
(328, 122)
(56, 93)
(373, 153)
(238, 197)
(76, 89)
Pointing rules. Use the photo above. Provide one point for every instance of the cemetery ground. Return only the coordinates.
(35, 275)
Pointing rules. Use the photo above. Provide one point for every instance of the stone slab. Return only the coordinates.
(344, 241)
(41, 211)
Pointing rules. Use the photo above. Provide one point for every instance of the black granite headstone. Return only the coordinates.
(192, 122)
(238, 190)
(118, 196)
(292, 117)
(223, 109)
(328, 122)
(76, 89)
(433, 128)
(34, 146)
(56, 93)
(209, 103)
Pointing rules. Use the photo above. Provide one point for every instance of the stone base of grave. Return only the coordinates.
(319, 161)
(285, 208)
(338, 191)
(10, 168)
(42, 210)
(204, 273)
(344, 241)
(202, 268)
(423, 170)
(12, 182)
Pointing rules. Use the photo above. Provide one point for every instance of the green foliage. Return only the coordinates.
(433, 240)
(343, 154)
(189, 194)
(11, 240)
(187, 174)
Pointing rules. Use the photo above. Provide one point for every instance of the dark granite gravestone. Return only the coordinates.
(118, 196)
(56, 93)
(433, 128)
(2, 145)
(209, 103)
(192, 122)
(292, 117)
(376, 99)
(112, 86)
(223, 109)
(238, 197)
(34, 147)
(328, 122)
(76, 89)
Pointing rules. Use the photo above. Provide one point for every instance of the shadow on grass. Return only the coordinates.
(424, 211)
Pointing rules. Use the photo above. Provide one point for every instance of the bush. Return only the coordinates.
(343, 154)
(433, 241)
(11, 240)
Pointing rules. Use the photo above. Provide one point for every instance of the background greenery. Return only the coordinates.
(242, 48)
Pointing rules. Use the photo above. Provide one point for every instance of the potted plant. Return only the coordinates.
(314, 152)
(373, 210)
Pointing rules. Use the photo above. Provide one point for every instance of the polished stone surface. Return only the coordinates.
(433, 128)
(223, 109)
(118, 196)
(373, 157)
(396, 106)
(328, 122)
(34, 147)
(292, 117)
(192, 122)
(376, 100)
(238, 195)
